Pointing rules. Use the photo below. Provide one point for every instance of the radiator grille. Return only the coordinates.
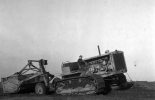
(119, 61)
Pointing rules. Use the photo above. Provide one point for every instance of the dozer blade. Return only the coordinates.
(125, 86)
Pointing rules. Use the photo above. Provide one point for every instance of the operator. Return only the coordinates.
(80, 61)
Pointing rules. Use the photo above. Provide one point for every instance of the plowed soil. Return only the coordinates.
(139, 91)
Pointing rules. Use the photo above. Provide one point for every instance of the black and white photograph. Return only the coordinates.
(77, 49)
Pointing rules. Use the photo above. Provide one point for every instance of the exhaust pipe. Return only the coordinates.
(99, 50)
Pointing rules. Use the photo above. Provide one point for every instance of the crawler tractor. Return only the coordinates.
(97, 75)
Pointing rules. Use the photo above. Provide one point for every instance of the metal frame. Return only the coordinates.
(39, 75)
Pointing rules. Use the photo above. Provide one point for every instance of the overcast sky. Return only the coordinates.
(61, 30)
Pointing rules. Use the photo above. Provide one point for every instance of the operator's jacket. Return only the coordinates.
(81, 62)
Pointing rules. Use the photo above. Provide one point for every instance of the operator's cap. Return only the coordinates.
(107, 51)
(80, 56)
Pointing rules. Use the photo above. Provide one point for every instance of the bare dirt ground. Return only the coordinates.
(140, 91)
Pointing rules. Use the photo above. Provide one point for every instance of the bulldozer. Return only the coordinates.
(97, 75)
